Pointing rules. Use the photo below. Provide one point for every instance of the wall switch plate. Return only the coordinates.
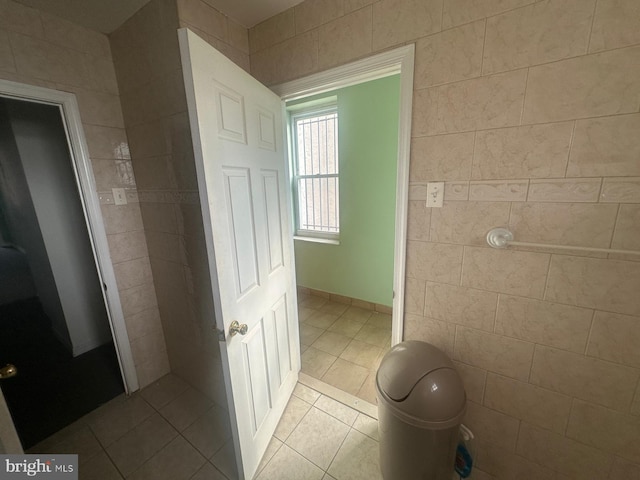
(435, 194)
(119, 196)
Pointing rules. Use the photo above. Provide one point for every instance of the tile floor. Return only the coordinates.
(319, 438)
(342, 345)
(170, 431)
(167, 431)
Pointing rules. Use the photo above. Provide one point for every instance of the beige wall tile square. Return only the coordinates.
(417, 192)
(414, 292)
(159, 217)
(449, 56)
(20, 18)
(610, 285)
(582, 377)
(566, 190)
(40, 59)
(457, 12)
(436, 262)
(153, 173)
(531, 151)
(149, 348)
(204, 17)
(496, 428)
(627, 233)
(616, 338)
(562, 454)
(164, 246)
(73, 36)
(605, 429)
(312, 13)
(546, 323)
(437, 333)
(585, 225)
(494, 353)
(396, 21)
(502, 463)
(474, 380)
(511, 272)
(7, 63)
(99, 108)
(122, 218)
(532, 404)
(137, 299)
(499, 191)
(287, 60)
(418, 221)
(443, 157)
(112, 173)
(588, 86)
(106, 142)
(461, 306)
(238, 36)
(143, 323)
(456, 191)
(344, 39)
(635, 405)
(487, 102)
(467, 222)
(133, 273)
(540, 33)
(605, 146)
(622, 468)
(615, 25)
(621, 190)
(127, 246)
(351, 5)
(274, 30)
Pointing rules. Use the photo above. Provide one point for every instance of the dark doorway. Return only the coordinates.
(53, 320)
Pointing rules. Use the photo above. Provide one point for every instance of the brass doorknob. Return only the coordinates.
(8, 371)
(236, 327)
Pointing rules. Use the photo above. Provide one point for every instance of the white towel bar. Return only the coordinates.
(502, 238)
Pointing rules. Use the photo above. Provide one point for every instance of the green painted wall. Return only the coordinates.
(362, 265)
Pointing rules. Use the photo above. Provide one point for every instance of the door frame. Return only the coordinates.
(396, 61)
(85, 180)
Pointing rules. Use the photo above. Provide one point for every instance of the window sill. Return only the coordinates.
(328, 241)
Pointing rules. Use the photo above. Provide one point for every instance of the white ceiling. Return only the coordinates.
(107, 15)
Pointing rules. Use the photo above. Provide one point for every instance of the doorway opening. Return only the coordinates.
(54, 320)
(351, 283)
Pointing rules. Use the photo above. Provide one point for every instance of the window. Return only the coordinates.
(315, 167)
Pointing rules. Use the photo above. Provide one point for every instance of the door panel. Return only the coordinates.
(246, 215)
(240, 213)
(271, 202)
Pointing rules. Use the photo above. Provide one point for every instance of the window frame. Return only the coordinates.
(302, 112)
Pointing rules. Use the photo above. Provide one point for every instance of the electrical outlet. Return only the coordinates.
(435, 194)
(119, 196)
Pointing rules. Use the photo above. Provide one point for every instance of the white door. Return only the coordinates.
(9, 441)
(238, 140)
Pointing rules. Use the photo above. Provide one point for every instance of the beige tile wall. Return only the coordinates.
(147, 59)
(529, 110)
(40, 49)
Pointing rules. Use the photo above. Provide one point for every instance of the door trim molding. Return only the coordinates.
(85, 179)
(396, 61)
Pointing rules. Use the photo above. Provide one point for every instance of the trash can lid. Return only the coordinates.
(419, 383)
(406, 364)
